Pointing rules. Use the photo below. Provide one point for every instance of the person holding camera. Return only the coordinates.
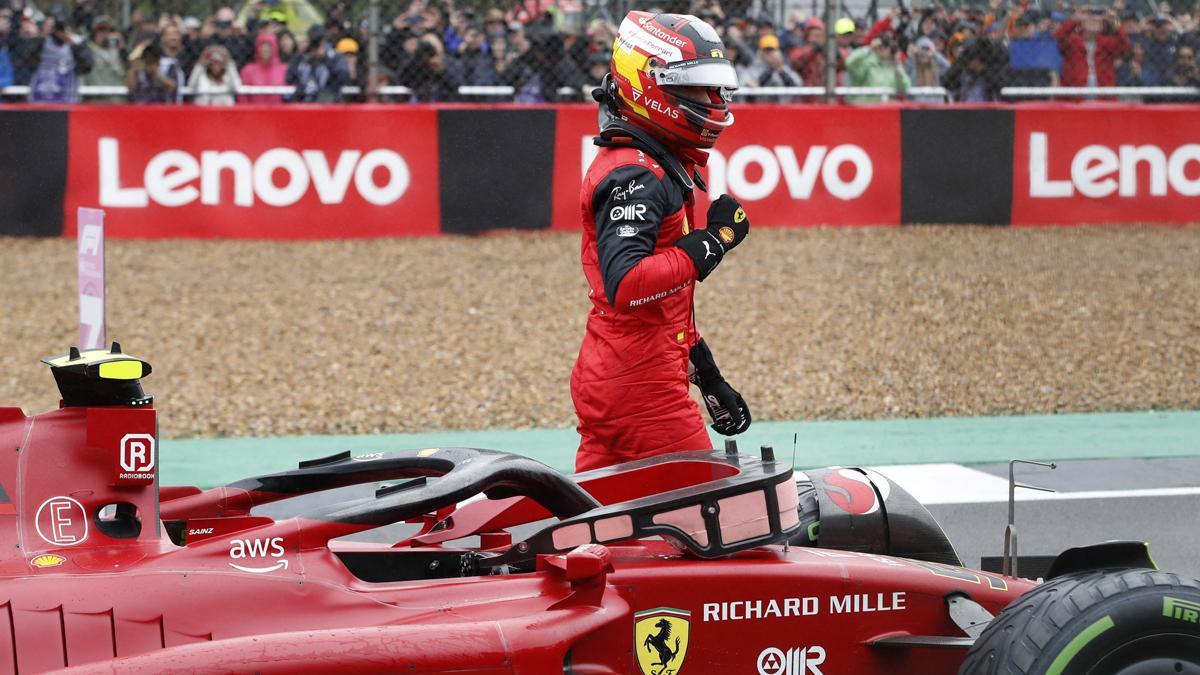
(876, 65)
(1090, 44)
(149, 79)
(108, 70)
(57, 57)
(1185, 72)
(221, 29)
(214, 81)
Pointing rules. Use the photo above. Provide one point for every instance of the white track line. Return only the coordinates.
(947, 483)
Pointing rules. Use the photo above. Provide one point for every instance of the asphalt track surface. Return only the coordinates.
(1151, 500)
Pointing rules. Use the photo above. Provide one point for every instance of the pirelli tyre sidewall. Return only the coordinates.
(1104, 622)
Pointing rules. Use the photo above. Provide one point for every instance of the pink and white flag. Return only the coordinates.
(91, 278)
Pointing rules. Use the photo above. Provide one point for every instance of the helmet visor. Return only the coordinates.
(712, 72)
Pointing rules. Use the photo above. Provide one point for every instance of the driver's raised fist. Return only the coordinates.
(727, 219)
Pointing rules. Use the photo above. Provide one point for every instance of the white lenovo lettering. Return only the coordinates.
(801, 180)
(1093, 168)
(820, 163)
(844, 171)
(279, 177)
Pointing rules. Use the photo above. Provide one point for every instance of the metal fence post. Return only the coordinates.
(830, 52)
(374, 36)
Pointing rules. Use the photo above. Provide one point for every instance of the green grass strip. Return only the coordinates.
(1074, 646)
(965, 440)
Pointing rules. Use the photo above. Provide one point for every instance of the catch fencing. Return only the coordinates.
(546, 51)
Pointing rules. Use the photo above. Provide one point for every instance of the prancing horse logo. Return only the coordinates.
(661, 639)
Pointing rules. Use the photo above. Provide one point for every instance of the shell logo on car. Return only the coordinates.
(47, 560)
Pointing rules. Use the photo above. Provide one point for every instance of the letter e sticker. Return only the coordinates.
(61, 521)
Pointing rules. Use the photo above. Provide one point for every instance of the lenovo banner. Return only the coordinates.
(332, 172)
(789, 165)
(266, 173)
(1116, 164)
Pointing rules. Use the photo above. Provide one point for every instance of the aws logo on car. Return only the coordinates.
(660, 638)
(267, 552)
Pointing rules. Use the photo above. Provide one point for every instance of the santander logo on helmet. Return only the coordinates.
(669, 76)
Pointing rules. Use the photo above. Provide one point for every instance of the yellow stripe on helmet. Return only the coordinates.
(630, 63)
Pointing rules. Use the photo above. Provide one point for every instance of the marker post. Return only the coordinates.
(91, 278)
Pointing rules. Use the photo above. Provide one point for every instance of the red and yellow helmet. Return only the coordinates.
(672, 78)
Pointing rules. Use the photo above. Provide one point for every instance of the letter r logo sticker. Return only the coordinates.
(137, 452)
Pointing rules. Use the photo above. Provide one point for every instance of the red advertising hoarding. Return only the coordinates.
(1076, 165)
(788, 165)
(256, 172)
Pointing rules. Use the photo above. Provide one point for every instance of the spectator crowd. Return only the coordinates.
(539, 51)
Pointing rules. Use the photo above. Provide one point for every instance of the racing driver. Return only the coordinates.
(663, 103)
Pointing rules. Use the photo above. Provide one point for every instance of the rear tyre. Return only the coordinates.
(1102, 622)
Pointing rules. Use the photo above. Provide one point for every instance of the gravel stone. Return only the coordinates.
(354, 337)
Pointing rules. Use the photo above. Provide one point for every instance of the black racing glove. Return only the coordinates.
(726, 407)
(727, 227)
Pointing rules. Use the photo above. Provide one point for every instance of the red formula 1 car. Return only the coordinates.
(699, 562)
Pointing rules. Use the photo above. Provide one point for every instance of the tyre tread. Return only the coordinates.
(1013, 641)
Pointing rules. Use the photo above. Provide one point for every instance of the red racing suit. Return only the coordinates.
(630, 382)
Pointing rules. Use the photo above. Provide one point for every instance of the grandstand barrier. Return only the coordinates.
(765, 94)
(328, 171)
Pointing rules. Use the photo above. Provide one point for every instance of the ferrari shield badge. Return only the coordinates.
(660, 636)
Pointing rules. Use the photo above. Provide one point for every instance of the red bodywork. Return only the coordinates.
(253, 594)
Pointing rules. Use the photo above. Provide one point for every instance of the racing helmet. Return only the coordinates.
(669, 76)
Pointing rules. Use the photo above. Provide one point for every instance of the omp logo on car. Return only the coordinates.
(794, 661)
(1098, 171)
(137, 456)
(258, 550)
(61, 521)
(277, 177)
(1184, 610)
(660, 638)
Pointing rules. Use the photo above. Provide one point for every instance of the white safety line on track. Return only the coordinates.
(947, 483)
